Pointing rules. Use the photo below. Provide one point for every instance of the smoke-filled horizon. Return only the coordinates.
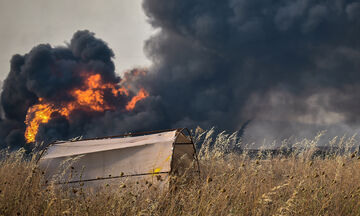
(292, 67)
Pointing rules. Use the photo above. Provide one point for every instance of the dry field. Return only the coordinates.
(230, 184)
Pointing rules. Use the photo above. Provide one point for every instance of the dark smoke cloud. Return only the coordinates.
(50, 73)
(289, 66)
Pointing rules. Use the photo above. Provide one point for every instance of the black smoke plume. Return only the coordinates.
(50, 73)
(289, 66)
(293, 67)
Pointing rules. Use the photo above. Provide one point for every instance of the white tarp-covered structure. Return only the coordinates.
(110, 159)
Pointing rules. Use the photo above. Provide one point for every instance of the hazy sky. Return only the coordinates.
(122, 24)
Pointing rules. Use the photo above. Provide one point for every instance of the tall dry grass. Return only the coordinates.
(230, 184)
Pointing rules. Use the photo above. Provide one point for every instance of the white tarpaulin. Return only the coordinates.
(113, 158)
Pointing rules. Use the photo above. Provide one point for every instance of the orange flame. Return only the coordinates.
(37, 114)
(141, 95)
(89, 97)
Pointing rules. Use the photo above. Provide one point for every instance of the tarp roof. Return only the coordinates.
(115, 157)
(69, 148)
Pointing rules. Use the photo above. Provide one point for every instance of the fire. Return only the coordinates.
(141, 95)
(90, 97)
(37, 114)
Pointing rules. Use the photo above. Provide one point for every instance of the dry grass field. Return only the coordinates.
(230, 184)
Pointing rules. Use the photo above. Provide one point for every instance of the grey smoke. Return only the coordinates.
(51, 73)
(292, 67)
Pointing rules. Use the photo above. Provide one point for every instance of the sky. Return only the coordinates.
(122, 24)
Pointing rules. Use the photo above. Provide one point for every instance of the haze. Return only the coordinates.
(122, 24)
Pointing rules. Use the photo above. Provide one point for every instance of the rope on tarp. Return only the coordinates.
(112, 177)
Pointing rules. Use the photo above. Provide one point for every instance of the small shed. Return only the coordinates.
(148, 155)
